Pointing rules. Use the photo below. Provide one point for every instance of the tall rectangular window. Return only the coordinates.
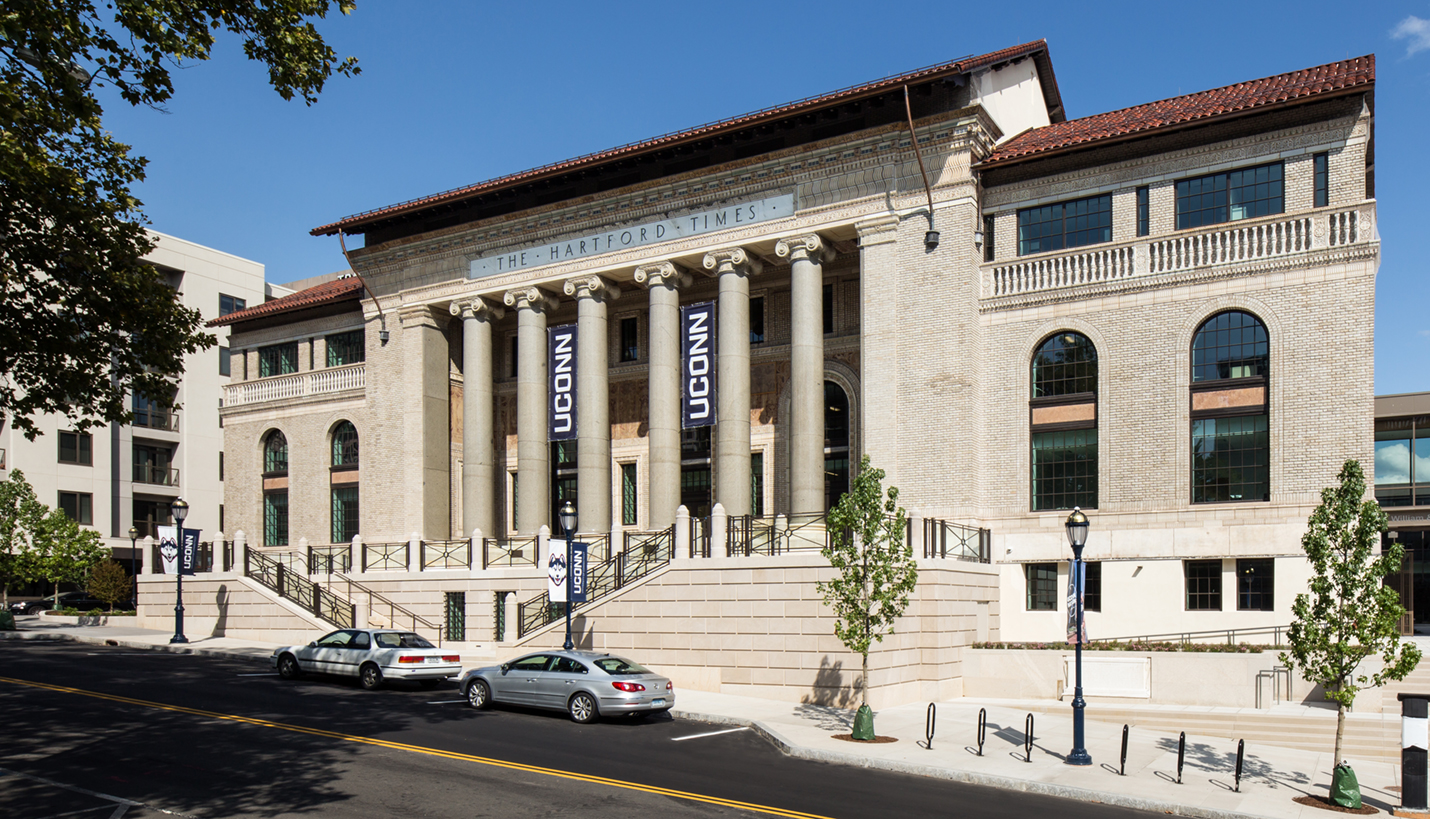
(347, 348)
(1203, 584)
(511, 358)
(225, 361)
(455, 618)
(515, 521)
(1092, 586)
(989, 252)
(757, 484)
(275, 518)
(628, 495)
(1321, 172)
(630, 339)
(1228, 197)
(499, 616)
(1255, 584)
(1065, 469)
(345, 513)
(278, 359)
(1144, 211)
(757, 320)
(76, 448)
(827, 305)
(1065, 224)
(1231, 459)
(229, 304)
(78, 507)
(1042, 580)
(220, 466)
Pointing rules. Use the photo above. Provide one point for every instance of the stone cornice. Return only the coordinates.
(591, 287)
(530, 298)
(735, 260)
(477, 308)
(663, 274)
(809, 246)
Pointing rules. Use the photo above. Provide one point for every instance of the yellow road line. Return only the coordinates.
(418, 749)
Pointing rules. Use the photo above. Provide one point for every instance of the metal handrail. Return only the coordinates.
(946, 539)
(323, 603)
(651, 552)
(329, 559)
(793, 539)
(509, 551)
(393, 609)
(157, 419)
(386, 557)
(1186, 637)
(444, 554)
(156, 475)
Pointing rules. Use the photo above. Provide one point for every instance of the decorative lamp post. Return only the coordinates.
(568, 523)
(180, 508)
(1077, 536)
(134, 563)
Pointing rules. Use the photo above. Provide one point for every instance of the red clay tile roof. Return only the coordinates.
(345, 289)
(960, 66)
(1339, 77)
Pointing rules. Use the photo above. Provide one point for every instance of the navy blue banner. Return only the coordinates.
(697, 365)
(561, 368)
(578, 572)
(189, 550)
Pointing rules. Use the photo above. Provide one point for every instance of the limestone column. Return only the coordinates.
(734, 266)
(533, 455)
(427, 446)
(807, 255)
(479, 472)
(880, 330)
(593, 403)
(664, 281)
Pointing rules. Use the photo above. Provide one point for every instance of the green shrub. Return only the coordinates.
(1203, 648)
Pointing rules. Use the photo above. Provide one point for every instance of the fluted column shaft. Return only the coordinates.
(593, 408)
(732, 422)
(479, 473)
(663, 390)
(806, 465)
(533, 459)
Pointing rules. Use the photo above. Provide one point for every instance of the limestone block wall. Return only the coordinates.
(225, 604)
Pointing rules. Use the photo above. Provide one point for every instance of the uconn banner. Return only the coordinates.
(697, 365)
(561, 365)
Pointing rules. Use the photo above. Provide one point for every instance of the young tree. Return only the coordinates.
(66, 553)
(1350, 613)
(875, 572)
(109, 582)
(84, 322)
(20, 516)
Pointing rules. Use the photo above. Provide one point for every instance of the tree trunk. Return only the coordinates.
(1340, 731)
(864, 682)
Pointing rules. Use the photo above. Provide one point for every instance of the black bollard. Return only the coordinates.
(1028, 740)
(929, 725)
(1181, 755)
(1122, 771)
(982, 728)
(1414, 744)
(1240, 755)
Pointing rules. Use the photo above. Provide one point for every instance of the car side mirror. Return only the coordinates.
(312, 644)
(505, 667)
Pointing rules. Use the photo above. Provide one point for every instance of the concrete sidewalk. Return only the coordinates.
(1271, 776)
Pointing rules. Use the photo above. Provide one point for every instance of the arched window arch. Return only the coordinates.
(275, 454)
(344, 483)
(1063, 419)
(1231, 444)
(345, 445)
(275, 489)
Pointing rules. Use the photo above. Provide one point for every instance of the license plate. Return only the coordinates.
(660, 701)
(431, 660)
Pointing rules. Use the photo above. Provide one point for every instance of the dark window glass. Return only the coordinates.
(152, 465)
(347, 348)
(1230, 345)
(78, 507)
(1394, 439)
(515, 521)
(1321, 172)
(499, 616)
(1255, 584)
(757, 320)
(76, 448)
(836, 417)
(1203, 585)
(629, 495)
(345, 445)
(1144, 214)
(1092, 587)
(345, 513)
(1230, 459)
(275, 454)
(220, 469)
(1042, 586)
(1065, 469)
(757, 484)
(827, 305)
(566, 665)
(279, 359)
(275, 518)
(563, 488)
(630, 345)
(229, 304)
(225, 361)
(511, 360)
(1228, 197)
(1065, 364)
(695, 489)
(1065, 224)
(988, 248)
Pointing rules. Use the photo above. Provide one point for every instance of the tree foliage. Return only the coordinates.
(875, 570)
(1350, 614)
(21, 514)
(65, 552)
(83, 319)
(109, 582)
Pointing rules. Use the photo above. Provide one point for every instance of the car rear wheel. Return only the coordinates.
(371, 677)
(33, 610)
(288, 667)
(479, 696)
(583, 708)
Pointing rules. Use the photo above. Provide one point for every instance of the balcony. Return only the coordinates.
(156, 474)
(1309, 238)
(297, 385)
(156, 419)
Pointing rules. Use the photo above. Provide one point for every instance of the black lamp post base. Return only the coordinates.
(1079, 758)
(178, 638)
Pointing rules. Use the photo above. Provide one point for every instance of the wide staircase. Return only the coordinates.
(290, 576)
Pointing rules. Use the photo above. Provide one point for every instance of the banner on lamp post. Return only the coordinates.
(561, 373)
(556, 570)
(578, 572)
(169, 549)
(188, 551)
(1077, 583)
(697, 365)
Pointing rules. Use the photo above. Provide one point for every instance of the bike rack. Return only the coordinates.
(1122, 771)
(1181, 755)
(1028, 739)
(982, 728)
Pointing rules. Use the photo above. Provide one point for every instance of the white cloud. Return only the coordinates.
(1415, 30)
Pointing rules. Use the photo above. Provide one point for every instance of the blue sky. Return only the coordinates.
(454, 93)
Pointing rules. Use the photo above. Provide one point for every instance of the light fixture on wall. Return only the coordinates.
(978, 238)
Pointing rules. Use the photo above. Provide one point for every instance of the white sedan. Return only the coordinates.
(372, 655)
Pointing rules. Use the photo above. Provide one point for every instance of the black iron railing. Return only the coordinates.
(649, 554)
(444, 554)
(330, 559)
(396, 615)
(516, 551)
(295, 586)
(378, 557)
(156, 475)
(945, 539)
(1228, 635)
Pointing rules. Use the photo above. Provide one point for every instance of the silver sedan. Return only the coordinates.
(372, 655)
(584, 684)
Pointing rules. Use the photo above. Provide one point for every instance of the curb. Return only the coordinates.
(968, 777)
(123, 643)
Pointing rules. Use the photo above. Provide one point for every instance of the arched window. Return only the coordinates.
(1063, 413)
(344, 483)
(275, 489)
(836, 444)
(1231, 450)
(275, 454)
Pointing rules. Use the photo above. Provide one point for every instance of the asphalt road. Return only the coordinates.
(90, 731)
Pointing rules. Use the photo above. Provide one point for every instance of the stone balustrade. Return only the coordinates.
(281, 387)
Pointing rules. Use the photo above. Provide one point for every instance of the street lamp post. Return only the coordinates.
(134, 564)
(1077, 526)
(180, 508)
(568, 522)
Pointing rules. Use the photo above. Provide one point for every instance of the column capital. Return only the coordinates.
(530, 298)
(809, 246)
(735, 260)
(662, 274)
(878, 231)
(477, 308)
(418, 315)
(592, 287)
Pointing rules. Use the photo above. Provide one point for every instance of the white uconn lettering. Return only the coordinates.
(563, 383)
(698, 370)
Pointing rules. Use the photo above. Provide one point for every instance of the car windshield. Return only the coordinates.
(404, 640)
(616, 665)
